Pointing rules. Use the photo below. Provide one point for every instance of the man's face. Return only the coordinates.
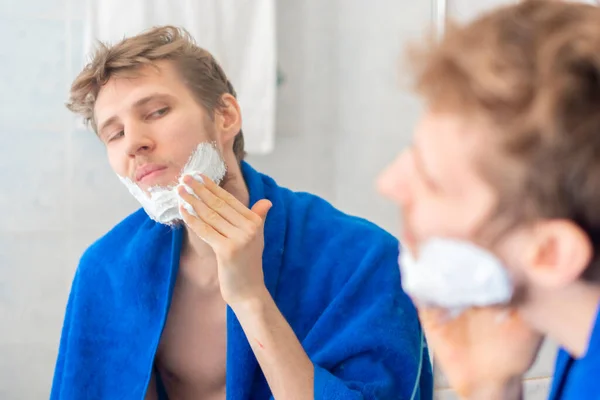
(441, 194)
(436, 183)
(150, 124)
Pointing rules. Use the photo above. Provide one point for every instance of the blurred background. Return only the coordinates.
(335, 110)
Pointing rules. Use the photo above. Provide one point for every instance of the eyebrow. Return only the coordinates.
(139, 103)
(422, 168)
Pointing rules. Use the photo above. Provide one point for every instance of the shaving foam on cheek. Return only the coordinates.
(162, 203)
(454, 275)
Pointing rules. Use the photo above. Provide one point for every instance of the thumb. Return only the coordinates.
(261, 208)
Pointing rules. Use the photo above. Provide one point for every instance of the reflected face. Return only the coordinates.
(441, 194)
(436, 183)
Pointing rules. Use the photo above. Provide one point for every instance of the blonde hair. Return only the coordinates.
(532, 71)
(197, 67)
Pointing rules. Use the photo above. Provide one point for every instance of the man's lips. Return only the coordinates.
(145, 172)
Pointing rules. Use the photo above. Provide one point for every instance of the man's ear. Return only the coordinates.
(228, 118)
(558, 253)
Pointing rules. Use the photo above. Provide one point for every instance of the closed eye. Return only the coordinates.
(117, 135)
(158, 113)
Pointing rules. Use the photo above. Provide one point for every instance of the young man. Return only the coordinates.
(225, 285)
(506, 159)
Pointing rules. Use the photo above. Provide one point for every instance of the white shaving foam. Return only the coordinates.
(162, 203)
(454, 275)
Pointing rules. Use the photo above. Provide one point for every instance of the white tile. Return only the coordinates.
(544, 364)
(76, 40)
(77, 9)
(26, 371)
(33, 287)
(32, 9)
(299, 164)
(467, 10)
(32, 165)
(445, 394)
(34, 71)
(376, 116)
(536, 389)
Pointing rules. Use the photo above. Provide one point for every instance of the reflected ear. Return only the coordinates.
(228, 118)
(559, 253)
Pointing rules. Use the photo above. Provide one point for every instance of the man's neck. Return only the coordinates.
(194, 247)
(566, 315)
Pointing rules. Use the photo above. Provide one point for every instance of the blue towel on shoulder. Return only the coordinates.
(334, 277)
(577, 378)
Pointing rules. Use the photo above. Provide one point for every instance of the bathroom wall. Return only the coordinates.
(343, 113)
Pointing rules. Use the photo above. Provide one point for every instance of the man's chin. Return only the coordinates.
(173, 224)
(166, 185)
(171, 217)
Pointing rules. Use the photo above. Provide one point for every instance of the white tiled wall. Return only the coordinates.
(342, 112)
(342, 115)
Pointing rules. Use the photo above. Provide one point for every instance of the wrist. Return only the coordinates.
(253, 303)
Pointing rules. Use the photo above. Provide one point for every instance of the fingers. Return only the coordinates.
(221, 211)
(227, 205)
(202, 229)
(261, 208)
(206, 215)
(225, 196)
(215, 202)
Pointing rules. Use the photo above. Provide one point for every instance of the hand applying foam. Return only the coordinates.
(462, 293)
(483, 352)
(234, 232)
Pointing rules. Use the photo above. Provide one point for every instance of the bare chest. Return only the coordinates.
(191, 356)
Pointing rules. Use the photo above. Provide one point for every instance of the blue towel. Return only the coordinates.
(334, 277)
(576, 379)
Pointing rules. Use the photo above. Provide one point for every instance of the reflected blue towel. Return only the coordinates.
(576, 379)
(334, 277)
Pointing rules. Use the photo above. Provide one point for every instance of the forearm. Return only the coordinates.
(285, 364)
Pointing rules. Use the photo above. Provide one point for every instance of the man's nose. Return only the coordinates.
(139, 139)
(394, 181)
